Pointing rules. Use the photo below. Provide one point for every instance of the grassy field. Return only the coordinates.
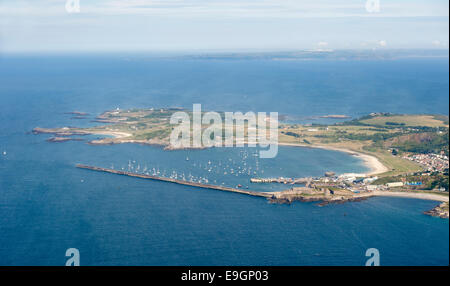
(397, 164)
(406, 120)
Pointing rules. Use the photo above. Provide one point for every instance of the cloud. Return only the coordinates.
(373, 6)
(382, 43)
(220, 24)
(235, 8)
(436, 43)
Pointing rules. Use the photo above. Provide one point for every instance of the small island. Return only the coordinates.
(407, 154)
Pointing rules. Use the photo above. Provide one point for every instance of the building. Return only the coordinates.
(371, 187)
(394, 184)
(370, 180)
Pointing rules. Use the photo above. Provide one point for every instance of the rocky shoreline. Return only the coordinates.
(62, 139)
(326, 196)
(322, 201)
(77, 113)
(65, 131)
(439, 211)
(62, 135)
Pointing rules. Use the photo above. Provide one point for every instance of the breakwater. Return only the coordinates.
(282, 180)
(176, 181)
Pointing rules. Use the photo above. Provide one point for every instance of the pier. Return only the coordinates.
(282, 180)
(176, 181)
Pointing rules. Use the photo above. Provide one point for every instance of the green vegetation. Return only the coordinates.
(439, 181)
(424, 143)
(427, 182)
(405, 120)
(385, 136)
(161, 134)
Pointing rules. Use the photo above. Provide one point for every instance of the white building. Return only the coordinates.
(394, 184)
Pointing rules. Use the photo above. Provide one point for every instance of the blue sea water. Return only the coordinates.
(47, 205)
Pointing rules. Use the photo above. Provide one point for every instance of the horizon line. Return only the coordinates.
(224, 51)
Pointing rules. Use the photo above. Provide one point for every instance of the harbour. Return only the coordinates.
(176, 181)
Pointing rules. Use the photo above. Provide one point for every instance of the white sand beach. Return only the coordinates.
(375, 166)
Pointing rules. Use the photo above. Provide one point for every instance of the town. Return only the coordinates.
(431, 162)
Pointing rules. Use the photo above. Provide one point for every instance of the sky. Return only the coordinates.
(221, 25)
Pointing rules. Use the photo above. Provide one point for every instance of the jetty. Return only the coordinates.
(176, 181)
(281, 180)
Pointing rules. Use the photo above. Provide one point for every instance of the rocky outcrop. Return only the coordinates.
(439, 211)
(64, 131)
(63, 139)
(78, 113)
(324, 196)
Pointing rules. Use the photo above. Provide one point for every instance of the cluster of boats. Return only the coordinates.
(215, 170)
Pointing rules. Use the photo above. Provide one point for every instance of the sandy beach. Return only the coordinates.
(375, 166)
(422, 196)
(115, 134)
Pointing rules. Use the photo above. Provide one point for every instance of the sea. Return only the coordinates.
(47, 205)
